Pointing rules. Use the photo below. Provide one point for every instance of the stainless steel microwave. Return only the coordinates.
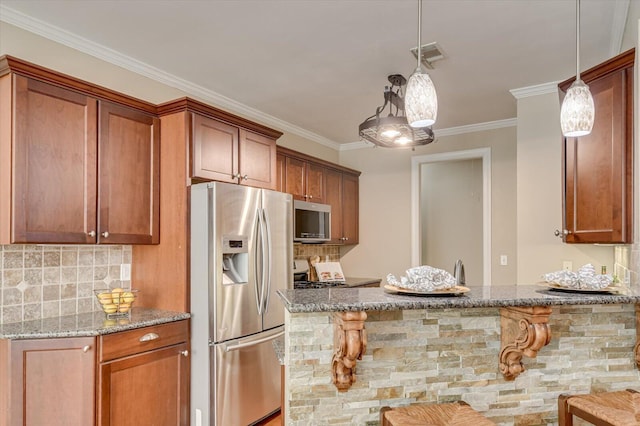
(311, 222)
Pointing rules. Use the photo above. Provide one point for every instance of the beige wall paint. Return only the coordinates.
(539, 177)
(451, 216)
(385, 203)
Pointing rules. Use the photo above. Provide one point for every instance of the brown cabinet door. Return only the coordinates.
(333, 197)
(129, 176)
(281, 173)
(55, 163)
(150, 388)
(296, 178)
(598, 167)
(215, 150)
(350, 208)
(315, 183)
(52, 382)
(257, 155)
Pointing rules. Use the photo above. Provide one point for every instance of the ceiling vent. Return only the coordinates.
(431, 53)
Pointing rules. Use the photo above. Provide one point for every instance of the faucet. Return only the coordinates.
(458, 272)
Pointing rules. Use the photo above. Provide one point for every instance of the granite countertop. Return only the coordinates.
(376, 299)
(87, 324)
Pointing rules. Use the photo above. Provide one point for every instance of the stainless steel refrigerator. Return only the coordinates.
(241, 253)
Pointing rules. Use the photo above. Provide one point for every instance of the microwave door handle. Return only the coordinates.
(267, 260)
(257, 253)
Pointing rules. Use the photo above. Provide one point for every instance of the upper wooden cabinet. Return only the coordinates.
(74, 168)
(598, 168)
(228, 149)
(323, 182)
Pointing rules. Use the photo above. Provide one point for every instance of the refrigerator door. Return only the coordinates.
(234, 261)
(277, 210)
(246, 385)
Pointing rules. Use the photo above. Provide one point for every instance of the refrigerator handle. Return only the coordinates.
(257, 256)
(267, 258)
(229, 348)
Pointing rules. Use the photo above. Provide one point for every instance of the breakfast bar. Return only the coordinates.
(508, 351)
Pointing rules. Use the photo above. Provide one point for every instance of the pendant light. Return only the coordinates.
(578, 112)
(421, 101)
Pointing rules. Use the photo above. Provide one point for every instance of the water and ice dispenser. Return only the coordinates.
(235, 259)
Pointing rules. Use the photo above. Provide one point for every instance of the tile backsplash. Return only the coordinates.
(44, 281)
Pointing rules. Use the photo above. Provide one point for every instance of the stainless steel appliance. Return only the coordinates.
(311, 222)
(241, 253)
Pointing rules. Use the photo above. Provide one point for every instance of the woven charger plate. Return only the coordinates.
(453, 291)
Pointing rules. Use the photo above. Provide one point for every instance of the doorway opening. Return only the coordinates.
(451, 212)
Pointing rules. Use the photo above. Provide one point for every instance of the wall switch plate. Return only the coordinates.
(503, 260)
(567, 265)
(125, 272)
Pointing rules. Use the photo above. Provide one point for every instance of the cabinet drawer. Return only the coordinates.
(131, 342)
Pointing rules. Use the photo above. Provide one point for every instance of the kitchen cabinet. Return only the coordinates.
(342, 191)
(74, 167)
(229, 153)
(144, 376)
(161, 272)
(312, 179)
(598, 168)
(47, 381)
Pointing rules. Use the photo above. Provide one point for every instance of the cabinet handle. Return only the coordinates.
(562, 233)
(105, 234)
(86, 349)
(92, 234)
(149, 337)
(236, 176)
(245, 177)
(310, 196)
(184, 353)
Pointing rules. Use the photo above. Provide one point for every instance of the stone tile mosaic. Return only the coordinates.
(45, 281)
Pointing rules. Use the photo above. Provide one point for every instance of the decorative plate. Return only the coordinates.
(605, 290)
(453, 291)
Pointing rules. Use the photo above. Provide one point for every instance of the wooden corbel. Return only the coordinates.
(524, 330)
(349, 344)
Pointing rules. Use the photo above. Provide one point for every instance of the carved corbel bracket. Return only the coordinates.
(524, 330)
(349, 344)
(636, 349)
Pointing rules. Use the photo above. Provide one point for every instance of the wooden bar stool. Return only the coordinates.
(620, 408)
(450, 414)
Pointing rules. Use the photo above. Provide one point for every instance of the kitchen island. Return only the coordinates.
(508, 351)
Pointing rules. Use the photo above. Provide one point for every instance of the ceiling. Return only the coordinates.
(318, 67)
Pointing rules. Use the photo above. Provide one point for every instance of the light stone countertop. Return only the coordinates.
(377, 299)
(87, 324)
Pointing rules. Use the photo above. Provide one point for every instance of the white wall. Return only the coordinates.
(539, 176)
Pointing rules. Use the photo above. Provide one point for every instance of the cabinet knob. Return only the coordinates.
(562, 233)
(245, 177)
(105, 234)
(92, 234)
(184, 353)
(310, 196)
(86, 349)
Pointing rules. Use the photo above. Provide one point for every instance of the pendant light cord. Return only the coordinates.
(419, 55)
(577, 40)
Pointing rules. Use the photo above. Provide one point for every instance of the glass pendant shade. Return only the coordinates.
(577, 112)
(421, 100)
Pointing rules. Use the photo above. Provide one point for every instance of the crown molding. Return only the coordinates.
(459, 130)
(539, 89)
(66, 38)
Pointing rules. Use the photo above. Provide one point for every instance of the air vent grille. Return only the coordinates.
(431, 53)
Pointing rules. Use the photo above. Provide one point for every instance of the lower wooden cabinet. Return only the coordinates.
(47, 382)
(135, 377)
(144, 376)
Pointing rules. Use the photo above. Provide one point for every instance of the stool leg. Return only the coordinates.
(565, 418)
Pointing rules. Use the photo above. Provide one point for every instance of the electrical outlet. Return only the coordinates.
(503, 260)
(125, 272)
(567, 265)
